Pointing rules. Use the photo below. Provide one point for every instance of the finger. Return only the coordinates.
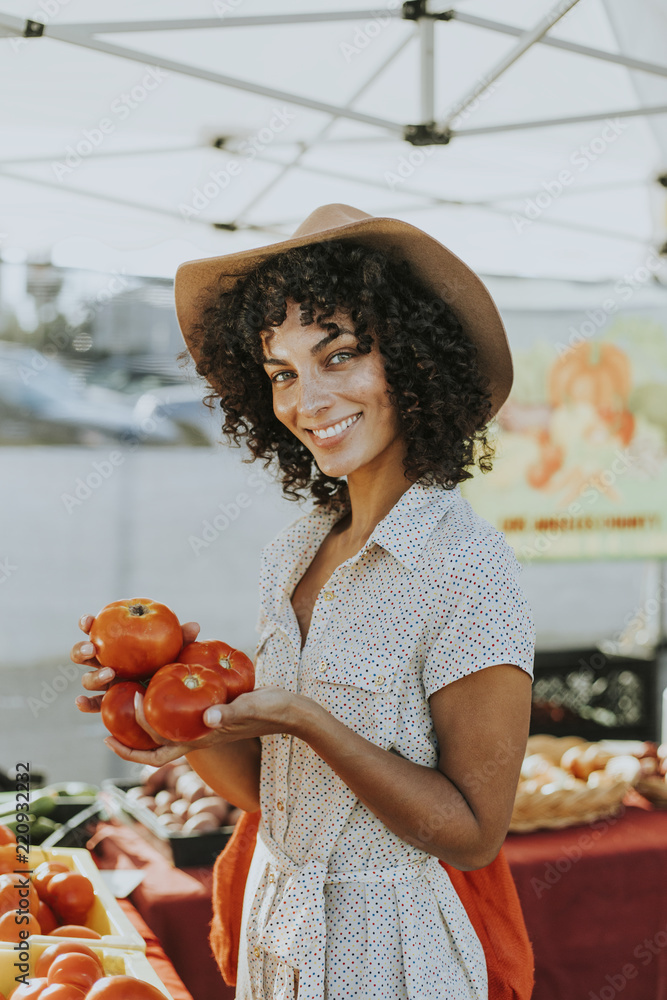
(86, 623)
(88, 704)
(143, 722)
(98, 680)
(156, 758)
(190, 632)
(217, 716)
(84, 652)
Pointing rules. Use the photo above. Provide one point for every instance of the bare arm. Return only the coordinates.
(230, 768)
(460, 811)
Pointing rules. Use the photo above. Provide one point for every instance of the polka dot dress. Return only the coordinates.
(336, 905)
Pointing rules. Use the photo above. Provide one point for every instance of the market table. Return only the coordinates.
(595, 902)
(594, 897)
(155, 954)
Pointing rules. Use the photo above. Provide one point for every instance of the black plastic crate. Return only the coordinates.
(184, 850)
(585, 693)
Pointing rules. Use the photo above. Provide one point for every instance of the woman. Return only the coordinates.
(366, 360)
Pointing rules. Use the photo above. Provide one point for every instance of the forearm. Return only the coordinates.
(417, 803)
(232, 770)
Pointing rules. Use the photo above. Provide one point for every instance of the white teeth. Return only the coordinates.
(336, 428)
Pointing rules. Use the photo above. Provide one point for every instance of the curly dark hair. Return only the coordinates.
(442, 398)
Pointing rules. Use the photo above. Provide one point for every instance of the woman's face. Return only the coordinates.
(320, 384)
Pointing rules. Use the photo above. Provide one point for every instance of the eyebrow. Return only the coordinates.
(314, 350)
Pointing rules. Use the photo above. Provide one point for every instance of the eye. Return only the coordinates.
(275, 378)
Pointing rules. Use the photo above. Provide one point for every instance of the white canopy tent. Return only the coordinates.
(135, 141)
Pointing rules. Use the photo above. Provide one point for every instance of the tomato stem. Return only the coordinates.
(192, 681)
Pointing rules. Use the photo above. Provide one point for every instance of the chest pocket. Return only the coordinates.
(272, 658)
(357, 682)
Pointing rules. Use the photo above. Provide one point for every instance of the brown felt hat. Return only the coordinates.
(200, 282)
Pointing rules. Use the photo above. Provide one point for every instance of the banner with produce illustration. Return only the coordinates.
(581, 446)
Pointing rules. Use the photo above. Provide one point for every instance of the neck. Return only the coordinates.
(373, 492)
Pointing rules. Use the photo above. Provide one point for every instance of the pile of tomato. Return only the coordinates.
(141, 640)
(52, 900)
(72, 971)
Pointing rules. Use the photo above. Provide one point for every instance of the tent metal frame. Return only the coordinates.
(426, 132)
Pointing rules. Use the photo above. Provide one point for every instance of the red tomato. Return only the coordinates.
(13, 889)
(30, 990)
(75, 931)
(135, 637)
(62, 991)
(43, 875)
(14, 922)
(70, 896)
(123, 988)
(7, 858)
(178, 695)
(77, 970)
(7, 836)
(239, 670)
(119, 718)
(63, 948)
(46, 917)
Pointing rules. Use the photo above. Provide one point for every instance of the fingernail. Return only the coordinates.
(106, 674)
(88, 649)
(137, 701)
(212, 716)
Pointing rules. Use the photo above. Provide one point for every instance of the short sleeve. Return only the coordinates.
(486, 619)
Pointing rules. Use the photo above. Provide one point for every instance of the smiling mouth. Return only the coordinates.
(336, 431)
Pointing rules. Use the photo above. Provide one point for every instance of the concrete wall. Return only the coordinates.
(79, 531)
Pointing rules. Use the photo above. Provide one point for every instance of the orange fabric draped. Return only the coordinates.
(488, 894)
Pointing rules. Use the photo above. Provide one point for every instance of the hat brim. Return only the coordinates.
(199, 282)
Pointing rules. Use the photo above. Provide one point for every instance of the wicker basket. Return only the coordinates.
(565, 801)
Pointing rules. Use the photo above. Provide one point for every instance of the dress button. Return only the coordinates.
(272, 878)
(323, 666)
(256, 951)
(279, 804)
(379, 680)
(285, 736)
(328, 595)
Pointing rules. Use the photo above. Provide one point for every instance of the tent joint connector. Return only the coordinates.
(33, 29)
(426, 134)
(412, 10)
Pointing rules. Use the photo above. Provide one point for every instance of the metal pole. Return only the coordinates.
(527, 39)
(426, 29)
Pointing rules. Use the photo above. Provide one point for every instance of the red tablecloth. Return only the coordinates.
(174, 902)
(155, 954)
(594, 899)
(595, 902)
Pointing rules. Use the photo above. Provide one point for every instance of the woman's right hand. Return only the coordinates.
(99, 678)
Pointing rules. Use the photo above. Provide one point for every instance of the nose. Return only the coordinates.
(313, 396)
